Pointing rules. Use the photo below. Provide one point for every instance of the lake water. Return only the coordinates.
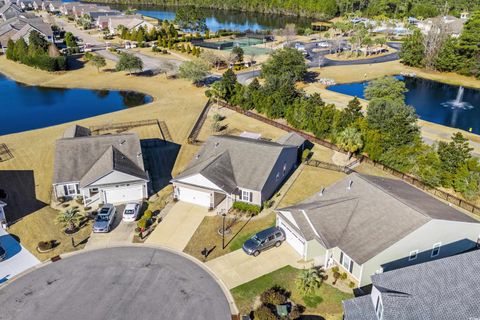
(25, 107)
(228, 19)
(433, 101)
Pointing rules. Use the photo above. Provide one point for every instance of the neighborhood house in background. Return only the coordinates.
(443, 289)
(101, 169)
(369, 225)
(232, 168)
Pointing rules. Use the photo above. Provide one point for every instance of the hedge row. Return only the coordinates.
(247, 207)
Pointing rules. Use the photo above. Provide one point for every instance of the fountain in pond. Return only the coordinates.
(458, 103)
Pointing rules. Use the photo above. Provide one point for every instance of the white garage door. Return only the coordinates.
(297, 242)
(124, 194)
(197, 197)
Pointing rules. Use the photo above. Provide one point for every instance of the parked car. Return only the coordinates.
(263, 240)
(323, 44)
(3, 253)
(87, 47)
(130, 213)
(104, 219)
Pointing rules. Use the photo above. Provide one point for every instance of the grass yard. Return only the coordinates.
(310, 181)
(328, 298)
(40, 226)
(206, 235)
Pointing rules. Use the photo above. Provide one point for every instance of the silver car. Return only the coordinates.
(104, 219)
(271, 237)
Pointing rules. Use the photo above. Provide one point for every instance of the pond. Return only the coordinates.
(437, 102)
(30, 107)
(228, 19)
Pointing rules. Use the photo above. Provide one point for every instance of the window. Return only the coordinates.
(413, 255)
(70, 189)
(246, 196)
(270, 238)
(346, 262)
(436, 249)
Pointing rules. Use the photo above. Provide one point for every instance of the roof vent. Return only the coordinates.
(197, 156)
(350, 185)
(217, 144)
(139, 155)
(123, 142)
(322, 191)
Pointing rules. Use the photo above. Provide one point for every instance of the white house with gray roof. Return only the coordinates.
(444, 289)
(369, 225)
(234, 168)
(101, 169)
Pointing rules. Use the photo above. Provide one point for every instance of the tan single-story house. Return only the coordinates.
(368, 225)
(100, 169)
(234, 168)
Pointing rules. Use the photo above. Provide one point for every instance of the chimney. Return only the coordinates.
(350, 185)
(321, 192)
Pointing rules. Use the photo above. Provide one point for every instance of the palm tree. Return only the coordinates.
(309, 280)
(350, 140)
(69, 218)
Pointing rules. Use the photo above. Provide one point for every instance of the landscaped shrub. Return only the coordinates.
(46, 245)
(264, 313)
(218, 117)
(343, 276)
(142, 224)
(246, 207)
(305, 154)
(273, 296)
(351, 284)
(148, 214)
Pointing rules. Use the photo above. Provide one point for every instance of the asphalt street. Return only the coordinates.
(116, 283)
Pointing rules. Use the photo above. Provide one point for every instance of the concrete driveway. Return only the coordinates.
(237, 268)
(17, 259)
(121, 233)
(178, 226)
(117, 283)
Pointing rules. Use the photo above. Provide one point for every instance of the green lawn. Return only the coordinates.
(206, 235)
(328, 299)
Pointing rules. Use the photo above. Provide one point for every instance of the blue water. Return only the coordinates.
(431, 101)
(25, 107)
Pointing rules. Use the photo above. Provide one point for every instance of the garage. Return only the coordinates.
(197, 197)
(293, 239)
(124, 194)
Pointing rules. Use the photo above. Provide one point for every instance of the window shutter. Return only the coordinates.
(65, 190)
(250, 196)
(341, 257)
(350, 269)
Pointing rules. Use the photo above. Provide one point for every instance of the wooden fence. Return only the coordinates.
(468, 206)
(123, 126)
(192, 137)
(5, 153)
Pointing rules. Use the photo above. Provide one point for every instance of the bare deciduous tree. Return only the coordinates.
(434, 40)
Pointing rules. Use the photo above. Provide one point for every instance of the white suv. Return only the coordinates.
(130, 212)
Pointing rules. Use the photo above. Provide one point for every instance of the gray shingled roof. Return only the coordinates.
(360, 308)
(112, 160)
(75, 157)
(291, 139)
(76, 131)
(371, 216)
(231, 161)
(444, 289)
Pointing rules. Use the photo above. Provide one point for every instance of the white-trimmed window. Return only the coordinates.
(70, 189)
(346, 262)
(246, 196)
(436, 249)
(413, 255)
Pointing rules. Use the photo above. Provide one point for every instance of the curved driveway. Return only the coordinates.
(116, 283)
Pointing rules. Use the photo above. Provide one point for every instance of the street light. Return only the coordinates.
(223, 229)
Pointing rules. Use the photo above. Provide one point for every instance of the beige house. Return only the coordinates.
(234, 168)
(368, 225)
(131, 22)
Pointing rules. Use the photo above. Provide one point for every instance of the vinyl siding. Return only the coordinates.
(455, 237)
(316, 251)
(289, 157)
